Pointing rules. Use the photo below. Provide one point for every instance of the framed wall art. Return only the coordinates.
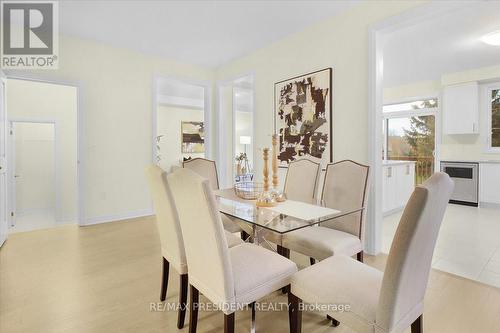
(193, 137)
(303, 117)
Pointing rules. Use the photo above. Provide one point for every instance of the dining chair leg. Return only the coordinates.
(334, 321)
(193, 309)
(418, 325)
(285, 253)
(229, 323)
(294, 313)
(182, 301)
(252, 327)
(312, 261)
(360, 256)
(164, 280)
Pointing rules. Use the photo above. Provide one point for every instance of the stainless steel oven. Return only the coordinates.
(466, 178)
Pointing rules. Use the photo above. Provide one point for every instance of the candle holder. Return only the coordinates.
(266, 199)
(278, 195)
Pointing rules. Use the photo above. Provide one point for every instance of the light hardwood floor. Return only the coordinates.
(103, 278)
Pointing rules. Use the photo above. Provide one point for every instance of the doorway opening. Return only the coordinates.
(236, 124)
(181, 122)
(33, 188)
(42, 156)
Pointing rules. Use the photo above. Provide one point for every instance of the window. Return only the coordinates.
(494, 117)
(409, 131)
(423, 104)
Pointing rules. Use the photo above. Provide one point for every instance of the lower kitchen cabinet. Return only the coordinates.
(397, 185)
(489, 183)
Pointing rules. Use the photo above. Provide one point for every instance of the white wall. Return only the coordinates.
(341, 43)
(117, 89)
(34, 147)
(169, 125)
(52, 102)
(117, 107)
(455, 147)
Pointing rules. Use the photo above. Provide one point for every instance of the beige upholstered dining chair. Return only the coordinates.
(381, 302)
(301, 182)
(172, 246)
(205, 168)
(228, 277)
(208, 169)
(344, 189)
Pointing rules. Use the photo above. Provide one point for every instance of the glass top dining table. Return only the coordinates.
(285, 217)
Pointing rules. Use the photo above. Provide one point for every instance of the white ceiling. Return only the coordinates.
(208, 33)
(442, 45)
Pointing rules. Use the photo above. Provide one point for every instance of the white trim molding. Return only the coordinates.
(119, 217)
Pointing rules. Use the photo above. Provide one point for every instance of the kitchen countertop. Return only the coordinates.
(473, 161)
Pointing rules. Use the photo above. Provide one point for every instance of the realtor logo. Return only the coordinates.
(29, 35)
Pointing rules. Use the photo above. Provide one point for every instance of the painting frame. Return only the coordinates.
(192, 147)
(328, 115)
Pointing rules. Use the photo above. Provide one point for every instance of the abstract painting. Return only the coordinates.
(193, 137)
(303, 117)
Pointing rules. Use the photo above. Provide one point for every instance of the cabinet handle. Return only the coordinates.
(407, 169)
(389, 172)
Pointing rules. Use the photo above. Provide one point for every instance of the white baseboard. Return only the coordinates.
(118, 217)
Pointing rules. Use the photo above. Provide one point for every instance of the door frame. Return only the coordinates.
(223, 142)
(80, 138)
(252, 111)
(11, 181)
(207, 111)
(4, 220)
(376, 41)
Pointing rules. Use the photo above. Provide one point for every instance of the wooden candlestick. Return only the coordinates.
(265, 172)
(266, 199)
(275, 161)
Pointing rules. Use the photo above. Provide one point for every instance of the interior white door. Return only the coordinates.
(4, 227)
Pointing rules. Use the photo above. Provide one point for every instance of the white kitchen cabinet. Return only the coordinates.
(388, 189)
(397, 185)
(489, 183)
(461, 109)
(406, 183)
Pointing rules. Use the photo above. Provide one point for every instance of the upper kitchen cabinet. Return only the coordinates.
(461, 109)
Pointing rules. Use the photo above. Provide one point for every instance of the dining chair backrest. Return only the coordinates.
(210, 269)
(345, 189)
(167, 219)
(409, 262)
(301, 183)
(205, 168)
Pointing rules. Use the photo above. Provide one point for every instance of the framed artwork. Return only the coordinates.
(193, 137)
(303, 118)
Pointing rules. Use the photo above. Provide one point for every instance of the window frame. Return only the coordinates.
(489, 119)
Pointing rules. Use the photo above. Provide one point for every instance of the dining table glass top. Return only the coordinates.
(283, 218)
